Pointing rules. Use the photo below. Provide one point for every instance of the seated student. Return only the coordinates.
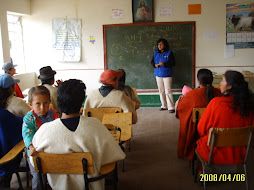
(15, 105)
(127, 89)
(199, 97)
(233, 109)
(39, 100)
(10, 135)
(75, 133)
(108, 96)
(9, 68)
(47, 79)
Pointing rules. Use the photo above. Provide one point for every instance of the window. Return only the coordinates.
(16, 41)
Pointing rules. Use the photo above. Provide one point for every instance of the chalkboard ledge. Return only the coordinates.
(155, 90)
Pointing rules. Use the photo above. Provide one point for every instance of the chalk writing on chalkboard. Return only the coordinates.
(131, 46)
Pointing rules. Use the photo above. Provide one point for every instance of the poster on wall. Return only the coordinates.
(67, 39)
(240, 25)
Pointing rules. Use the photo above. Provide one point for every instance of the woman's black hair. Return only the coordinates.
(240, 90)
(121, 80)
(70, 96)
(5, 93)
(205, 78)
(165, 42)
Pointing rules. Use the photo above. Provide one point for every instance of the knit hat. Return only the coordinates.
(46, 73)
(109, 76)
(6, 81)
(186, 89)
(7, 66)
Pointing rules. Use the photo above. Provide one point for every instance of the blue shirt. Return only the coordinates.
(10, 135)
(167, 59)
(48, 118)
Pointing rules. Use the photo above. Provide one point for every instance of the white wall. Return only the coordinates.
(27, 80)
(94, 14)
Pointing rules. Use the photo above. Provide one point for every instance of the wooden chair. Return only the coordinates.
(71, 163)
(216, 86)
(227, 137)
(11, 155)
(135, 92)
(115, 131)
(99, 112)
(196, 116)
(122, 121)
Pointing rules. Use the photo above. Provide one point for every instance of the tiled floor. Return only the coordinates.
(152, 163)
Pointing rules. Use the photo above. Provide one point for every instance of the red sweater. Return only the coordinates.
(219, 113)
(192, 99)
(18, 91)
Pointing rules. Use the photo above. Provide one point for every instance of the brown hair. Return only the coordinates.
(37, 90)
(5, 93)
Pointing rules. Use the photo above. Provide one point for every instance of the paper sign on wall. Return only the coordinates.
(194, 9)
(117, 13)
(165, 11)
(67, 39)
(229, 51)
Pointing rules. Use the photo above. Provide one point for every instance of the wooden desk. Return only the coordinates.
(121, 120)
(13, 152)
(116, 134)
(99, 112)
(107, 168)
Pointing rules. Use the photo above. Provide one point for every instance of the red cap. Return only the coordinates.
(109, 76)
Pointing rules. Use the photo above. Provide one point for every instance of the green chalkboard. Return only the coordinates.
(131, 46)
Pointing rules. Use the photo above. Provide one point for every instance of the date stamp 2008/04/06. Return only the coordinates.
(222, 177)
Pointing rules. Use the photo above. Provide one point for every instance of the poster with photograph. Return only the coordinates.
(67, 39)
(142, 10)
(240, 25)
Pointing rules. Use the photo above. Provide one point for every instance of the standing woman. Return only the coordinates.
(163, 61)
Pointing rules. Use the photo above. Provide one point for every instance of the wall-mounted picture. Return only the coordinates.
(142, 10)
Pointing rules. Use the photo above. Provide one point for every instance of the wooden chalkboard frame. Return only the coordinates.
(193, 23)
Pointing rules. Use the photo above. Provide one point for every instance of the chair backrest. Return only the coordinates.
(121, 120)
(99, 112)
(197, 113)
(70, 163)
(230, 137)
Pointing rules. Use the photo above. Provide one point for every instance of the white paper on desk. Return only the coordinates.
(229, 51)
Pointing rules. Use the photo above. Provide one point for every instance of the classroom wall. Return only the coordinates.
(94, 14)
(27, 80)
